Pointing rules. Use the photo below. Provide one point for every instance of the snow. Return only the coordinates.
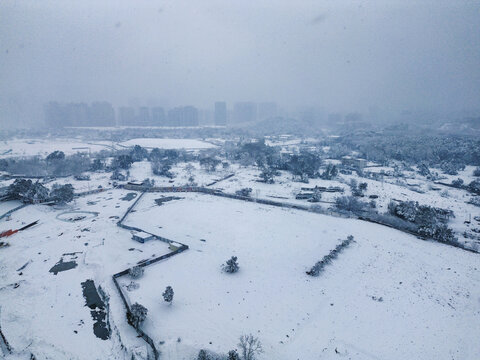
(190, 144)
(430, 291)
(43, 312)
(43, 147)
(34, 147)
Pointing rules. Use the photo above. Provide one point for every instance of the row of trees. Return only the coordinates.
(430, 221)
(31, 192)
(249, 347)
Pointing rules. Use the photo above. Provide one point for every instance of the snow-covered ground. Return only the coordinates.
(34, 147)
(190, 144)
(43, 147)
(45, 314)
(429, 291)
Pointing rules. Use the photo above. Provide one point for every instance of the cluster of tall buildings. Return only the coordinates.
(250, 111)
(103, 114)
(79, 114)
(157, 116)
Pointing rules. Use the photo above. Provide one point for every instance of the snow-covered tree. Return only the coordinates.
(37, 192)
(136, 272)
(458, 183)
(330, 172)
(138, 153)
(168, 294)
(203, 355)
(209, 163)
(122, 162)
(244, 192)
(350, 203)
(474, 186)
(97, 165)
(233, 355)
(268, 174)
(62, 193)
(231, 265)
(137, 315)
(316, 196)
(56, 155)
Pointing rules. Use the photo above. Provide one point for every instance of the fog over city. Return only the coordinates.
(341, 56)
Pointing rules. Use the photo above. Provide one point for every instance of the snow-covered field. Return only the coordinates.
(429, 291)
(387, 296)
(42, 147)
(189, 144)
(34, 147)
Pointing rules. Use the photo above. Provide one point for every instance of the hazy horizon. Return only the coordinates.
(342, 56)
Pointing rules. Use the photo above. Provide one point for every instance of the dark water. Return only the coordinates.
(101, 327)
(164, 199)
(129, 196)
(63, 266)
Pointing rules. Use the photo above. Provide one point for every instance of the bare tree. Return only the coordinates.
(250, 346)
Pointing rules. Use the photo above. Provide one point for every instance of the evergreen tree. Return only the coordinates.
(202, 355)
(62, 193)
(137, 315)
(135, 272)
(233, 355)
(168, 294)
(231, 265)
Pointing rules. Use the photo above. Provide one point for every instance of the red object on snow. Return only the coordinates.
(11, 232)
(8, 233)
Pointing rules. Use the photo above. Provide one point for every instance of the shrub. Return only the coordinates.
(458, 183)
(62, 193)
(231, 265)
(244, 192)
(56, 155)
(268, 175)
(138, 153)
(162, 168)
(168, 294)
(233, 355)
(203, 355)
(330, 172)
(136, 272)
(27, 191)
(452, 168)
(474, 187)
(350, 203)
(137, 315)
(97, 165)
(327, 259)
(122, 162)
(209, 163)
(440, 233)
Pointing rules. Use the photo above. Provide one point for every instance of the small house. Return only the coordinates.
(303, 196)
(142, 236)
(354, 162)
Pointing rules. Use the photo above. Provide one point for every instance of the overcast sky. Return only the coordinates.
(341, 55)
